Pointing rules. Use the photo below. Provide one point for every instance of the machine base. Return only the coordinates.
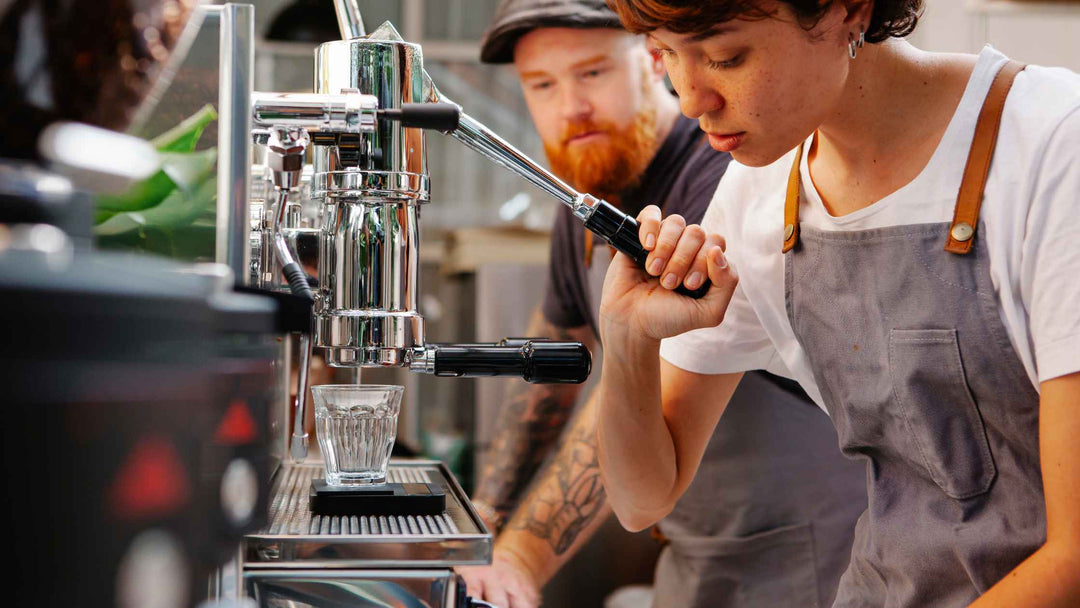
(386, 499)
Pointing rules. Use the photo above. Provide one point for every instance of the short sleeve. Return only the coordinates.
(563, 299)
(1051, 254)
(738, 344)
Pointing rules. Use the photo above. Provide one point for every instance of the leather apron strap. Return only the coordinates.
(791, 205)
(969, 200)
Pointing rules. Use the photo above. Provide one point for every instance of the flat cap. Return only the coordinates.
(515, 18)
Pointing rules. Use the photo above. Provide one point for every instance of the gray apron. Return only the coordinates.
(769, 519)
(920, 378)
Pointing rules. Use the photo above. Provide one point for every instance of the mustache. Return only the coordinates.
(579, 128)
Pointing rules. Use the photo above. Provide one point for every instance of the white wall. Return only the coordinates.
(1044, 33)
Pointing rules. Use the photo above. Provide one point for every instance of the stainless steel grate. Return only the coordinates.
(289, 513)
(297, 538)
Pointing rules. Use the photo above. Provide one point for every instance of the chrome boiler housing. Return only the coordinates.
(372, 188)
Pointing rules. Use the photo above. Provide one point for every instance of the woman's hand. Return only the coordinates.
(636, 304)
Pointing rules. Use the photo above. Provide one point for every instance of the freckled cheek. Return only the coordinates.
(759, 102)
(789, 94)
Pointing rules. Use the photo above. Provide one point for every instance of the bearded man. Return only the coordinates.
(769, 519)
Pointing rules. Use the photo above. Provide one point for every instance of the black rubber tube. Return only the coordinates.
(297, 279)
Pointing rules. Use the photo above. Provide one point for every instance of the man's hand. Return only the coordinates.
(506, 583)
(645, 305)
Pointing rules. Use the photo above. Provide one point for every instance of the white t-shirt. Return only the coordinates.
(1030, 216)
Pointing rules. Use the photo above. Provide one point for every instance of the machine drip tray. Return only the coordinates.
(383, 499)
(298, 537)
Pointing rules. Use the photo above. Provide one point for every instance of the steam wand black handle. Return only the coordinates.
(442, 117)
(536, 361)
(621, 231)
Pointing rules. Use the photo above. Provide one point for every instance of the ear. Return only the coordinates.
(858, 12)
(654, 63)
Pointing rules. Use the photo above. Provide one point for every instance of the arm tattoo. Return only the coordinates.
(528, 427)
(569, 493)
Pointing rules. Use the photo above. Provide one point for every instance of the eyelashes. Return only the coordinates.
(726, 64)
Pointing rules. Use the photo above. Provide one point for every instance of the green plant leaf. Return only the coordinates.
(183, 170)
(180, 208)
(184, 136)
(181, 167)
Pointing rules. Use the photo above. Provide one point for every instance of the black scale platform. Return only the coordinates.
(384, 499)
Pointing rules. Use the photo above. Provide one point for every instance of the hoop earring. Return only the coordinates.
(855, 44)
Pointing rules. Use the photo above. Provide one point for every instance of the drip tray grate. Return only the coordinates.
(296, 537)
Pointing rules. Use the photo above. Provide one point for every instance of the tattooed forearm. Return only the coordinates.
(528, 427)
(569, 493)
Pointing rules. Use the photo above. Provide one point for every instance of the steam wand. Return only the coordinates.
(285, 157)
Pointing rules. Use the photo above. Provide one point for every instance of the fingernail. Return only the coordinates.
(670, 281)
(650, 241)
(694, 280)
(656, 266)
(720, 258)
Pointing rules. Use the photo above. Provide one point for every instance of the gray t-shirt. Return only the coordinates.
(680, 179)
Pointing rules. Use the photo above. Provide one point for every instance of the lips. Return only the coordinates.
(726, 142)
(584, 136)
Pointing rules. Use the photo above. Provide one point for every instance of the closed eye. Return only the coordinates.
(727, 63)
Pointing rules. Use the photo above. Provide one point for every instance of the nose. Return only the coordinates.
(696, 95)
(574, 103)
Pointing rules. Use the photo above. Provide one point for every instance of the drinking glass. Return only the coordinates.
(356, 425)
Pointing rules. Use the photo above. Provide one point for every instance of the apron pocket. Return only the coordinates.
(929, 386)
(771, 569)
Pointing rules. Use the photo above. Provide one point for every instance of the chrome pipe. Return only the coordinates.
(346, 112)
(281, 245)
(299, 447)
(350, 22)
(475, 135)
(235, 82)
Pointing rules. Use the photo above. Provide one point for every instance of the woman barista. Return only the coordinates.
(927, 297)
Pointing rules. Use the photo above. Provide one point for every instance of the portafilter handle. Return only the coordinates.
(535, 360)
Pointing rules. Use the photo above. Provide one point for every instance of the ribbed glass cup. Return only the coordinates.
(356, 425)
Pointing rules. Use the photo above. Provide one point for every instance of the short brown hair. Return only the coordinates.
(890, 18)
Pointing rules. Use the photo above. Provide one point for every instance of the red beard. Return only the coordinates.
(606, 167)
